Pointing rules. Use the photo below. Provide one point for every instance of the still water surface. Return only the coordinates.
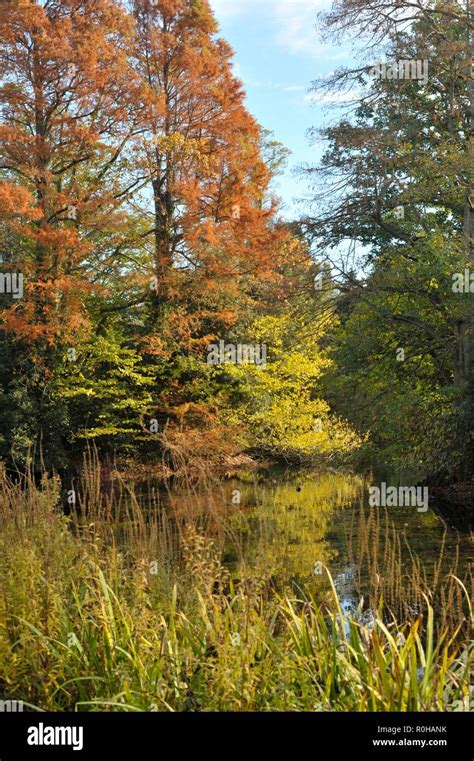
(290, 526)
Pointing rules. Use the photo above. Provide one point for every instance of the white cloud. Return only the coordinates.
(233, 7)
(294, 88)
(224, 8)
(332, 98)
(294, 20)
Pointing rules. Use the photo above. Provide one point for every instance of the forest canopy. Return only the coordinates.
(136, 214)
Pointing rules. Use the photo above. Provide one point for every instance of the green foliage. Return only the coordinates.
(31, 417)
(410, 403)
(107, 388)
(397, 166)
(279, 404)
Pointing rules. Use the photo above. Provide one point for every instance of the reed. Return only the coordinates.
(157, 623)
(388, 568)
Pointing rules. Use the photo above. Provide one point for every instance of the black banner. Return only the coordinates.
(137, 736)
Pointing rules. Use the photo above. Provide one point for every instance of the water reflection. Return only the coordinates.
(288, 528)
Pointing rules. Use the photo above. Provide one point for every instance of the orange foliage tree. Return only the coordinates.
(214, 240)
(131, 175)
(68, 114)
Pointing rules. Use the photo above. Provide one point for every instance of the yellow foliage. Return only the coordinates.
(278, 402)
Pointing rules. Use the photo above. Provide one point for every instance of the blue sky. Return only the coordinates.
(278, 53)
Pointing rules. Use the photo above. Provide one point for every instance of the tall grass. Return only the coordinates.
(88, 625)
(388, 568)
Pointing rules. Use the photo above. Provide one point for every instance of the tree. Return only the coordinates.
(68, 105)
(397, 186)
(210, 224)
